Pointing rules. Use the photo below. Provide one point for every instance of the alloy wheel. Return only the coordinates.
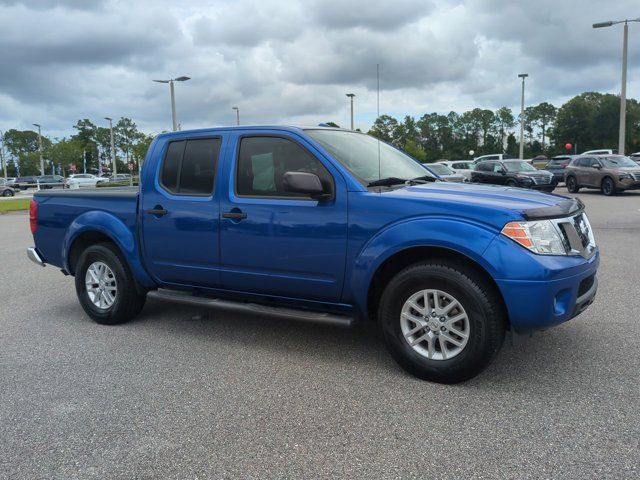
(101, 284)
(435, 324)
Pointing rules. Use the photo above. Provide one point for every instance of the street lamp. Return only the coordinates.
(113, 148)
(40, 148)
(2, 159)
(521, 156)
(351, 95)
(623, 88)
(237, 114)
(173, 98)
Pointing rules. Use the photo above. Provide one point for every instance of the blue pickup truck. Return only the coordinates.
(326, 225)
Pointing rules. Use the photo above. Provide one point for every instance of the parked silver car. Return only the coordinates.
(444, 172)
(461, 167)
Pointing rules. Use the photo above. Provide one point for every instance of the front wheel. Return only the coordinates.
(105, 287)
(608, 187)
(7, 193)
(441, 322)
(512, 183)
(572, 185)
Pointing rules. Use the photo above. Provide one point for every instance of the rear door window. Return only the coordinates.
(189, 166)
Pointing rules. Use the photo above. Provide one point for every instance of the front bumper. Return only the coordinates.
(627, 184)
(539, 304)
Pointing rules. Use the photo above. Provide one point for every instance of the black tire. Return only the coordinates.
(572, 184)
(7, 193)
(608, 187)
(481, 303)
(512, 183)
(128, 301)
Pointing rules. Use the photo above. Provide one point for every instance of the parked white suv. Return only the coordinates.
(606, 151)
(495, 156)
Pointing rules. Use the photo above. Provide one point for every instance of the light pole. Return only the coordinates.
(174, 118)
(623, 88)
(113, 147)
(40, 148)
(351, 95)
(521, 155)
(4, 163)
(237, 114)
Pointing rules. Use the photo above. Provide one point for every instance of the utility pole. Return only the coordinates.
(40, 148)
(2, 159)
(237, 114)
(351, 95)
(521, 156)
(113, 147)
(623, 88)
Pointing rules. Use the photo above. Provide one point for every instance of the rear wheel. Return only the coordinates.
(572, 185)
(440, 322)
(105, 287)
(608, 187)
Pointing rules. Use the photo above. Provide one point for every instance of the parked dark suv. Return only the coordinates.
(609, 173)
(51, 181)
(513, 173)
(557, 166)
(22, 183)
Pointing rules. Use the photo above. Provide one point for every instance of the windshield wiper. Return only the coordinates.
(422, 179)
(386, 182)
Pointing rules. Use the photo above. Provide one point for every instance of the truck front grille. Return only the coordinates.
(577, 234)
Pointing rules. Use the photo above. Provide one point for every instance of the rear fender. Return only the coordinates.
(113, 228)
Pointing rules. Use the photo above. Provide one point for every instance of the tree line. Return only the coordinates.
(587, 121)
(88, 149)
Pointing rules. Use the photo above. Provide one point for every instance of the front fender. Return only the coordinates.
(468, 238)
(117, 231)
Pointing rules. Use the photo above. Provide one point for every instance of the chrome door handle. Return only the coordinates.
(235, 215)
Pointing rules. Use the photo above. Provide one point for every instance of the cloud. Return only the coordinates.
(291, 62)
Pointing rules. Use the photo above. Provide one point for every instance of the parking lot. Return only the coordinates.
(185, 392)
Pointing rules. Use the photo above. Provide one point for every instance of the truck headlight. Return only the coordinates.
(539, 236)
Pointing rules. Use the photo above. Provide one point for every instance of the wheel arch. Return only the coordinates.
(99, 227)
(410, 256)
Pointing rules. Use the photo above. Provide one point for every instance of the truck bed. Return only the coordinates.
(59, 209)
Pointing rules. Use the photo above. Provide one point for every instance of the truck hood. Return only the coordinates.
(492, 204)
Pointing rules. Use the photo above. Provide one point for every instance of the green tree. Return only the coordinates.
(543, 115)
(384, 127)
(67, 152)
(504, 121)
(413, 149)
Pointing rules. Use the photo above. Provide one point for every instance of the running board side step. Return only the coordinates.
(289, 313)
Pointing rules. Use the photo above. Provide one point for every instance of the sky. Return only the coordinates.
(293, 61)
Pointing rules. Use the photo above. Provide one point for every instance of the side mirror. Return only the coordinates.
(502, 171)
(305, 183)
(597, 167)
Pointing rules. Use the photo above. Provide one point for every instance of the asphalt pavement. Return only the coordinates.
(184, 392)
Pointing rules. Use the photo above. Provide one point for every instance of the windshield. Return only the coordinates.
(359, 154)
(439, 169)
(519, 167)
(618, 161)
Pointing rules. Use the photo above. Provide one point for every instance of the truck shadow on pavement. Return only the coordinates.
(548, 359)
